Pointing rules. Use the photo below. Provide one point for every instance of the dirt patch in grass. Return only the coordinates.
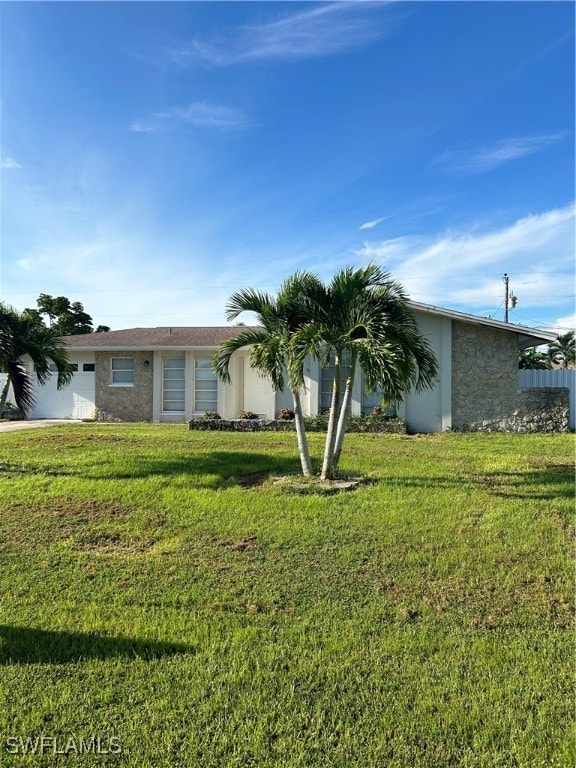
(304, 486)
(89, 509)
(30, 527)
(113, 543)
(247, 544)
(254, 480)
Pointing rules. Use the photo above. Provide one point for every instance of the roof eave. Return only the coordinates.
(527, 337)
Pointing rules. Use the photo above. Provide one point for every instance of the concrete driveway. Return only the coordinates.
(13, 426)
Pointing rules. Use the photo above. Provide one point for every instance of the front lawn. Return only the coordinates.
(162, 596)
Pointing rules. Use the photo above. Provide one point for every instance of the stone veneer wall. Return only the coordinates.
(124, 403)
(485, 393)
(394, 426)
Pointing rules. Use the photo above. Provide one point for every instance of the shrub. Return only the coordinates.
(248, 415)
(285, 415)
(211, 415)
(317, 423)
(11, 411)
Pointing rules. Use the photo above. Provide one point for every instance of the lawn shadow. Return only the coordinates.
(28, 645)
(549, 482)
(213, 469)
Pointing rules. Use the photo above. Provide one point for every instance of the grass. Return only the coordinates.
(159, 589)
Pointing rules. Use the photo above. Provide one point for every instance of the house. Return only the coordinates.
(164, 374)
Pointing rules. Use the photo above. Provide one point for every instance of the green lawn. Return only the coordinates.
(158, 590)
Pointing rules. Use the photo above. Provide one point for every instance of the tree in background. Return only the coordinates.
(531, 359)
(24, 333)
(562, 351)
(68, 318)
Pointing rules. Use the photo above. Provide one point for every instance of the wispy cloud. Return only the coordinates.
(372, 224)
(483, 159)
(322, 31)
(9, 163)
(199, 114)
(465, 267)
(564, 324)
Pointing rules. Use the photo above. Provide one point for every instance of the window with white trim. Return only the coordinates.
(122, 372)
(173, 384)
(205, 385)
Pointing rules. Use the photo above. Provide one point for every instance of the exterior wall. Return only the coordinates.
(485, 393)
(538, 410)
(484, 375)
(431, 410)
(125, 403)
(560, 377)
(394, 426)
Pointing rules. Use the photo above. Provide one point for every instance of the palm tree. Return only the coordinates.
(562, 351)
(270, 343)
(23, 334)
(362, 319)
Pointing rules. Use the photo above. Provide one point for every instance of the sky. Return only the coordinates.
(158, 156)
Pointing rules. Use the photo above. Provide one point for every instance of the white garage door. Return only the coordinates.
(76, 401)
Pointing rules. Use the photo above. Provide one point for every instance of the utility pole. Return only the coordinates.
(509, 299)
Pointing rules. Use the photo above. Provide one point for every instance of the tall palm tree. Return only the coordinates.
(562, 351)
(362, 318)
(23, 334)
(270, 343)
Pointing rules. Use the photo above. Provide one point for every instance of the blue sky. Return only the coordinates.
(158, 156)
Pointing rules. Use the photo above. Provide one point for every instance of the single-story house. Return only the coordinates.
(165, 374)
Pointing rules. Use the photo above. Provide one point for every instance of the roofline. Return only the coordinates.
(528, 337)
(141, 348)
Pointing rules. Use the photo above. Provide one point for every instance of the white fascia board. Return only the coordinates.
(529, 337)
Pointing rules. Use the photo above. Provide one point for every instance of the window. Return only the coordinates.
(122, 372)
(205, 385)
(326, 382)
(173, 384)
(88, 367)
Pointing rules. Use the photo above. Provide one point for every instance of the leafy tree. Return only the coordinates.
(562, 351)
(23, 333)
(532, 359)
(270, 344)
(68, 318)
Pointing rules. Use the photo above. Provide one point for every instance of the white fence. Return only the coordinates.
(558, 378)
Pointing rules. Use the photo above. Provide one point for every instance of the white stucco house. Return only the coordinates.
(164, 374)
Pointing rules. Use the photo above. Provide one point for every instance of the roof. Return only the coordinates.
(527, 337)
(148, 339)
(154, 338)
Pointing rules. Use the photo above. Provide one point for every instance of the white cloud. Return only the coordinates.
(483, 159)
(199, 114)
(466, 267)
(9, 163)
(324, 30)
(122, 283)
(564, 324)
(372, 224)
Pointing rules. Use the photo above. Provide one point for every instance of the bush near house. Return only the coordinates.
(158, 589)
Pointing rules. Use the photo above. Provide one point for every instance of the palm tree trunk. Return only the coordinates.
(327, 464)
(301, 435)
(344, 412)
